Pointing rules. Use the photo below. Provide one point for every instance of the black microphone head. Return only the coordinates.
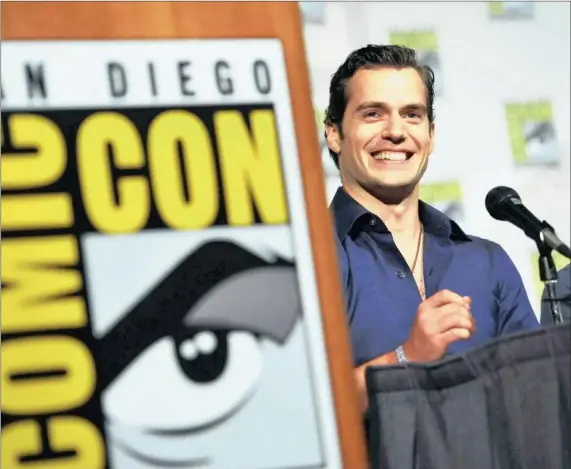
(496, 200)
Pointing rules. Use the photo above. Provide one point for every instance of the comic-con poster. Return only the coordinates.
(159, 301)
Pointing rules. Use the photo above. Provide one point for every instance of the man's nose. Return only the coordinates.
(394, 130)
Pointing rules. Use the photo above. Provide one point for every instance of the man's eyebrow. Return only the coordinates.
(371, 105)
(415, 107)
(382, 105)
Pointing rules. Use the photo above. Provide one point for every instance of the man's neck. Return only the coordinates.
(400, 218)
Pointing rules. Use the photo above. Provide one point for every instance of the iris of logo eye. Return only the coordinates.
(203, 355)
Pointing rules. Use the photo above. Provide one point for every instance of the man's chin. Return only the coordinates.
(393, 191)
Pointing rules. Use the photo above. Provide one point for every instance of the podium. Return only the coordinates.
(505, 404)
(169, 286)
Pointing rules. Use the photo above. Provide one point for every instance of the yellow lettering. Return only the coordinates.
(251, 167)
(65, 433)
(97, 134)
(36, 293)
(198, 171)
(45, 394)
(39, 168)
(36, 211)
(21, 439)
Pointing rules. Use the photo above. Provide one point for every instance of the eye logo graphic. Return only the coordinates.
(199, 329)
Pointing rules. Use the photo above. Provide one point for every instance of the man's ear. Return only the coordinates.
(333, 137)
(431, 129)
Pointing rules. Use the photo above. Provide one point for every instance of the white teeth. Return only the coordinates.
(390, 155)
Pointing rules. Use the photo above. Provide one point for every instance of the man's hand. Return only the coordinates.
(440, 320)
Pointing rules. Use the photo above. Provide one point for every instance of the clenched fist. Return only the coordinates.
(440, 320)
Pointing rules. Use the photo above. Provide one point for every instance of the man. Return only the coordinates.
(416, 286)
(562, 292)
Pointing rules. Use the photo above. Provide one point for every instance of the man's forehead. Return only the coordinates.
(399, 86)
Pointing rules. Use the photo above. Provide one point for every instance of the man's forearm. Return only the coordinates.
(386, 359)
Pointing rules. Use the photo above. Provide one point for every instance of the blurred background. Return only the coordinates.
(502, 106)
(502, 118)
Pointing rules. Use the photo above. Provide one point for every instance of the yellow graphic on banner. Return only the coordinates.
(67, 435)
(250, 169)
(39, 290)
(110, 172)
(42, 376)
(446, 196)
(531, 133)
(328, 165)
(511, 10)
(319, 120)
(496, 8)
(447, 191)
(419, 40)
(425, 43)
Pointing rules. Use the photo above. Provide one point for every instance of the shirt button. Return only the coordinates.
(373, 221)
(400, 274)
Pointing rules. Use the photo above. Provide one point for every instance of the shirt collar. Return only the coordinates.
(348, 214)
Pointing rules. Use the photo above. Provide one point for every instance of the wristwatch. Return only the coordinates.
(401, 357)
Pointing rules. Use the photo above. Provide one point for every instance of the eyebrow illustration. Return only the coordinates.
(220, 286)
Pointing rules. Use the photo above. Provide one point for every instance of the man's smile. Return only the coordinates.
(392, 155)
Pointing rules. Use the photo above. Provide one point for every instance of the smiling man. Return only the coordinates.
(416, 287)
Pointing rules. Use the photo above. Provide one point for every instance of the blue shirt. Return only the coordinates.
(381, 295)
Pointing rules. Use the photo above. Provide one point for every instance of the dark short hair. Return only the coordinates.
(370, 57)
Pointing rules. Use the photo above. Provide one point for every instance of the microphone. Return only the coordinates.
(504, 204)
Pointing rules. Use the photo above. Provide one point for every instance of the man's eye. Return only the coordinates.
(372, 114)
(414, 115)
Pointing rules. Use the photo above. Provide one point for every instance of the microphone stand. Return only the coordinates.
(548, 275)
